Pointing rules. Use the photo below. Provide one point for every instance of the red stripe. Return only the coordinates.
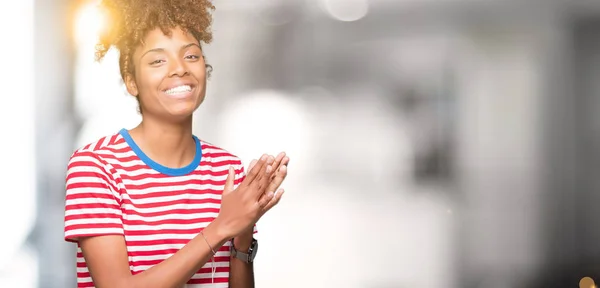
(99, 144)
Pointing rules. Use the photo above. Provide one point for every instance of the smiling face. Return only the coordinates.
(170, 75)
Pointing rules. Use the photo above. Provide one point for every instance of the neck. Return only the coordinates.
(169, 144)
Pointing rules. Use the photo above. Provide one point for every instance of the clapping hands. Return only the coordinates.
(257, 194)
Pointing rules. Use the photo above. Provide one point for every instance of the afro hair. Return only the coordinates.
(130, 20)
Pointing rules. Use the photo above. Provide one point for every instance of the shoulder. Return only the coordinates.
(219, 155)
(94, 154)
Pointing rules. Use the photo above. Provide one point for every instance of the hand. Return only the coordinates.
(280, 165)
(241, 208)
(244, 239)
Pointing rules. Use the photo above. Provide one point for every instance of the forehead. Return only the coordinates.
(176, 38)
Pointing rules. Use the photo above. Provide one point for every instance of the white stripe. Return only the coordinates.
(148, 198)
(87, 211)
(84, 279)
(105, 141)
(170, 207)
(131, 182)
(191, 186)
(209, 275)
(134, 217)
(162, 236)
(165, 256)
(87, 221)
(158, 228)
(144, 248)
(86, 168)
(93, 231)
(86, 158)
(149, 171)
(95, 201)
(82, 270)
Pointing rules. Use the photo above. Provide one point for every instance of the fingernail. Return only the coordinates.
(270, 195)
(263, 157)
(269, 168)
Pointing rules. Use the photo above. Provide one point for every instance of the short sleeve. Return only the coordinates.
(240, 175)
(92, 204)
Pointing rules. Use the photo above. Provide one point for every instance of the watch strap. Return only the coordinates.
(240, 255)
(245, 257)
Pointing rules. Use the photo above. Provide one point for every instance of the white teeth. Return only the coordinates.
(179, 89)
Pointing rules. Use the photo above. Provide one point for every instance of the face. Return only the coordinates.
(170, 75)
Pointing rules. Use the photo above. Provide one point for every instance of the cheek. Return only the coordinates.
(149, 80)
(199, 71)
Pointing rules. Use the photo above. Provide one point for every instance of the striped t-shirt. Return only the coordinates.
(113, 188)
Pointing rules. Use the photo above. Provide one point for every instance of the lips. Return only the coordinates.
(181, 91)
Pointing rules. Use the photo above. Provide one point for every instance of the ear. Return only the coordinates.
(131, 85)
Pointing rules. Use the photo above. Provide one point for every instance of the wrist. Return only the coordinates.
(243, 241)
(217, 232)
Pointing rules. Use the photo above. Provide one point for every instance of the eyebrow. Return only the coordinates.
(162, 49)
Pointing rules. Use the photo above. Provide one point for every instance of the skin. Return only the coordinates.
(165, 135)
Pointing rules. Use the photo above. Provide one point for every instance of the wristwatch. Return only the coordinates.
(246, 257)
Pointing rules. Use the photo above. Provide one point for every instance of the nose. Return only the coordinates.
(177, 68)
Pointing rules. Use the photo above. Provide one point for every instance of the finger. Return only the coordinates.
(264, 181)
(261, 182)
(284, 162)
(229, 181)
(278, 178)
(258, 179)
(274, 200)
(255, 171)
(277, 163)
(265, 199)
(252, 163)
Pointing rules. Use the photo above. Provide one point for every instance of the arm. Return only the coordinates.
(242, 274)
(106, 257)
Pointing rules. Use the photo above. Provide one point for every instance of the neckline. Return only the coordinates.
(161, 168)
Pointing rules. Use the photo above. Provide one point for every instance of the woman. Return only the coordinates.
(155, 206)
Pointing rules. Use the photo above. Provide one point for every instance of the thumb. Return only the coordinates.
(229, 181)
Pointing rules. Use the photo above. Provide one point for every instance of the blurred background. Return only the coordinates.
(434, 143)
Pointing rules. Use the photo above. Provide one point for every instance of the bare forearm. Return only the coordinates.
(242, 274)
(179, 268)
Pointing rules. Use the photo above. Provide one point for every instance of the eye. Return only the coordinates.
(156, 62)
(192, 57)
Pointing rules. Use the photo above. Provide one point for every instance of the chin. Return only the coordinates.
(183, 109)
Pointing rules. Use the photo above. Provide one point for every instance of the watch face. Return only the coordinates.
(253, 250)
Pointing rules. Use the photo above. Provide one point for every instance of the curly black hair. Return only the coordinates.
(128, 22)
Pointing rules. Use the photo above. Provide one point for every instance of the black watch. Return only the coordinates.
(246, 257)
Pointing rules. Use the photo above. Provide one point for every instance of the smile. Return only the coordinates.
(181, 91)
